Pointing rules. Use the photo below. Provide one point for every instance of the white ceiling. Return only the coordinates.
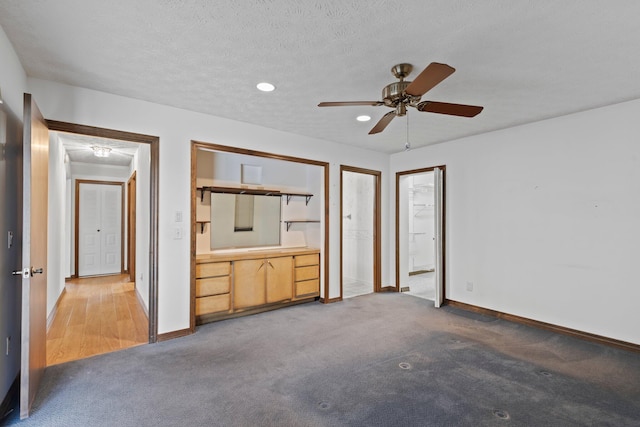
(522, 60)
(79, 148)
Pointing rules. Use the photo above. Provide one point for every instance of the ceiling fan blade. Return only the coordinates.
(450, 109)
(384, 121)
(429, 78)
(351, 103)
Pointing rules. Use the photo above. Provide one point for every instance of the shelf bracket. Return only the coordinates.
(202, 228)
(307, 198)
(288, 225)
(289, 196)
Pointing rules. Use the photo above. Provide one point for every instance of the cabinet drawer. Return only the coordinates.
(212, 286)
(213, 269)
(308, 288)
(212, 304)
(302, 260)
(307, 273)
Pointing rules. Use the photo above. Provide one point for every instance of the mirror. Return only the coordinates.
(244, 220)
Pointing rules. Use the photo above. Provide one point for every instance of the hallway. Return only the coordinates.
(94, 316)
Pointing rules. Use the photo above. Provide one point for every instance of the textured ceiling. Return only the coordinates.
(522, 60)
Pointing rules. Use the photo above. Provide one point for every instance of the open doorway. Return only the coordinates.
(419, 233)
(98, 301)
(297, 221)
(359, 231)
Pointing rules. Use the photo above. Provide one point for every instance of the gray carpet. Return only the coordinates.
(374, 360)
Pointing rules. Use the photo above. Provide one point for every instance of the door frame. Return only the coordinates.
(377, 223)
(76, 240)
(131, 227)
(399, 175)
(154, 179)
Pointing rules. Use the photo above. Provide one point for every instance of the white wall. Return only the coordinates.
(13, 83)
(176, 128)
(13, 79)
(544, 219)
(142, 165)
(57, 218)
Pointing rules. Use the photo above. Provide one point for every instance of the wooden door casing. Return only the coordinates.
(131, 227)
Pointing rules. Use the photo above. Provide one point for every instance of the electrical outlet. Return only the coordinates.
(470, 286)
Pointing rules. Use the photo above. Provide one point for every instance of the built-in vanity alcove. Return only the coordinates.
(259, 239)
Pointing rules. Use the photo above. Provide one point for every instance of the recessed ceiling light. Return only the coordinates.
(363, 118)
(265, 87)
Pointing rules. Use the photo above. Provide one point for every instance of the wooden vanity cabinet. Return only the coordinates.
(213, 285)
(249, 282)
(262, 281)
(279, 283)
(307, 276)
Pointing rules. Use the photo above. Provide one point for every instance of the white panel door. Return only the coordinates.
(99, 229)
(111, 229)
(89, 230)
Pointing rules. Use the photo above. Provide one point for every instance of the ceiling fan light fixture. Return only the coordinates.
(363, 118)
(265, 87)
(101, 151)
(402, 94)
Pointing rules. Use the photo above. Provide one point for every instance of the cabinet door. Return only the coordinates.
(249, 283)
(279, 279)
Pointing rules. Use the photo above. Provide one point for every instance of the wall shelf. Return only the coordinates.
(253, 191)
(202, 223)
(288, 223)
(307, 197)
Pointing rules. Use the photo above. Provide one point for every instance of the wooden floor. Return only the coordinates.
(96, 315)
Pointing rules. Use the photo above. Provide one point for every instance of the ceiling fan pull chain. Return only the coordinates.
(407, 145)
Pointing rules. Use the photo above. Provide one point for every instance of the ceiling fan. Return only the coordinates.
(402, 94)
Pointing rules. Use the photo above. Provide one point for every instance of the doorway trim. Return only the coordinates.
(377, 223)
(154, 177)
(443, 168)
(131, 227)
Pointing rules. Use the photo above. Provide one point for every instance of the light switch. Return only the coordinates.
(178, 216)
(177, 233)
